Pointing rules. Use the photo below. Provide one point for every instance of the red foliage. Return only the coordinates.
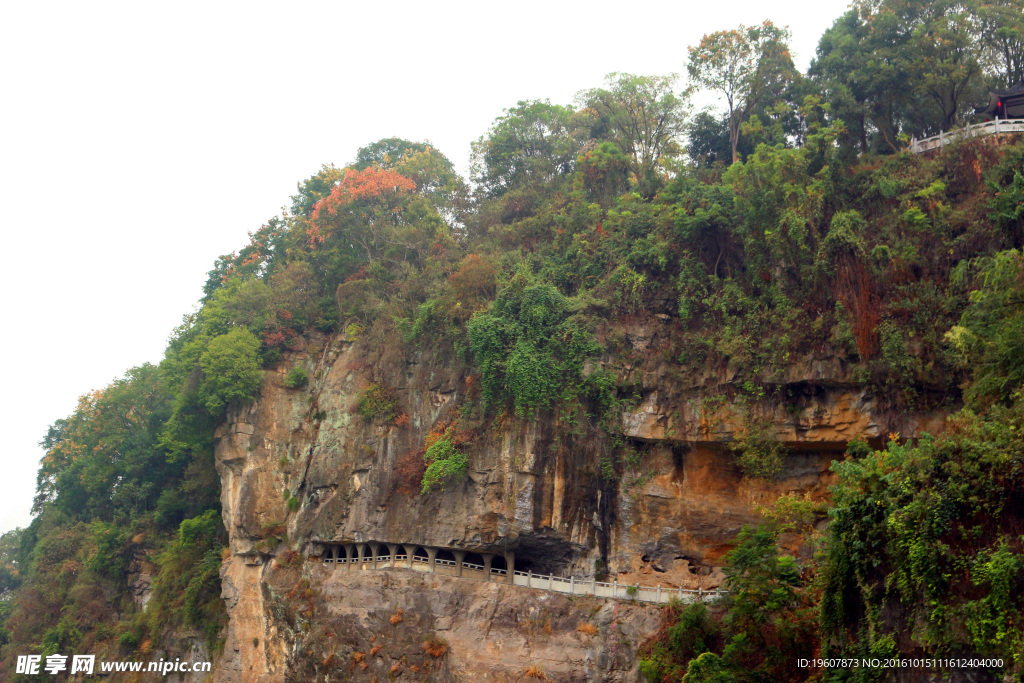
(369, 184)
(409, 470)
(474, 281)
(273, 339)
(856, 291)
(360, 274)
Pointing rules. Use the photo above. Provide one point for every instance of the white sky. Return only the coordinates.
(139, 141)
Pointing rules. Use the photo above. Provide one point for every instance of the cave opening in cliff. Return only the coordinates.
(499, 563)
(445, 556)
(474, 559)
(383, 554)
(526, 564)
(420, 554)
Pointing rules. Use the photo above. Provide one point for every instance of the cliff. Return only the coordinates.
(532, 488)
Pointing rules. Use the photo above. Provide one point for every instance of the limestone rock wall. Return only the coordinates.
(539, 488)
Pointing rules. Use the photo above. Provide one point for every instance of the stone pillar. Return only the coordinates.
(459, 556)
(350, 552)
(409, 550)
(510, 564)
(361, 550)
(488, 558)
(431, 556)
(375, 549)
(393, 549)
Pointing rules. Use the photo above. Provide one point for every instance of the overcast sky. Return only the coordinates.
(139, 141)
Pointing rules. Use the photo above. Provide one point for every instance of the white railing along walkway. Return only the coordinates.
(548, 582)
(972, 131)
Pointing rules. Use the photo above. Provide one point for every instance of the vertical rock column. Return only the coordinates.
(375, 549)
(488, 558)
(393, 549)
(361, 550)
(350, 553)
(510, 564)
(409, 550)
(459, 556)
(431, 556)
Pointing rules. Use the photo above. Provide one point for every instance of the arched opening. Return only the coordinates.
(383, 553)
(445, 563)
(498, 565)
(420, 555)
(473, 561)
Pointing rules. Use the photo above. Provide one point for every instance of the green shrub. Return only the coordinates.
(444, 463)
(528, 348)
(759, 455)
(231, 369)
(186, 591)
(296, 378)
(924, 532)
(377, 404)
(128, 640)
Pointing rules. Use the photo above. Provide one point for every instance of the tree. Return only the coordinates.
(1001, 24)
(432, 172)
(102, 459)
(386, 153)
(946, 50)
(363, 209)
(534, 141)
(748, 65)
(914, 67)
(770, 615)
(643, 116)
(315, 188)
(861, 81)
(231, 369)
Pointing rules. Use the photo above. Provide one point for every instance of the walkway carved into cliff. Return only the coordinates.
(492, 567)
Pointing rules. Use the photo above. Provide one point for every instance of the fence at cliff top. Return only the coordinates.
(528, 579)
(973, 131)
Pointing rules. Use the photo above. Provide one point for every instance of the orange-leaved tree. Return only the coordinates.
(364, 209)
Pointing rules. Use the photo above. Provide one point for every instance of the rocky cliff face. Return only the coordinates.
(667, 517)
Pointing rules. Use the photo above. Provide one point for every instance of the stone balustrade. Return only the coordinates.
(453, 562)
(996, 127)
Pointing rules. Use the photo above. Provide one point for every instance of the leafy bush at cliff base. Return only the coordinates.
(444, 463)
(529, 349)
(768, 622)
(925, 545)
